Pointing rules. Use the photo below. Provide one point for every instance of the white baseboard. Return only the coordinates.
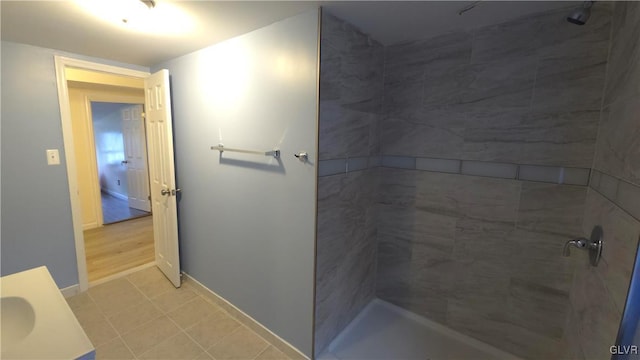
(115, 194)
(247, 320)
(70, 290)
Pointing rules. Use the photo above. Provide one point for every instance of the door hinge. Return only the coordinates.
(149, 197)
(143, 115)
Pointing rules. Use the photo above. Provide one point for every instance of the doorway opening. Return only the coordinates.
(136, 87)
(110, 150)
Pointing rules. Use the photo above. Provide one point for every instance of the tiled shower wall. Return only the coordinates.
(350, 108)
(482, 255)
(613, 200)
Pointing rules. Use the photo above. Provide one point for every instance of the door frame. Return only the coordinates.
(95, 174)
(61, 63)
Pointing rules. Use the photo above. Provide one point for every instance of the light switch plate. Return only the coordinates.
(53, 157)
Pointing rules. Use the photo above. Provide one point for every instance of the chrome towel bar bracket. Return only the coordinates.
(275, 152)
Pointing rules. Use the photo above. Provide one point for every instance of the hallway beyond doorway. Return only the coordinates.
(115, 210)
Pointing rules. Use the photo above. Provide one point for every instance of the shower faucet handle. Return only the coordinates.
(593, 245)
(580, 243)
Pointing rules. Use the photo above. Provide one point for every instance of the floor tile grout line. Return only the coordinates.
(198, 296)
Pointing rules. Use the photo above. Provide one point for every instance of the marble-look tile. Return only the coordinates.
(570, 347)
(599, 319)
(608, 186)
(483, 241)
(501, 83)
(467, 196)
(557, 137)
(442, 48)
(345, 251)
(331, 138)
(479, 282)
(551, 209)
(618, 146)
(398, 187)
(570, 90)
(506, 40)
(537, 258)
(628, 198)
(560, 39)
(445, 82)
(403, 87)
(528, 300)
(623, 78)
(344, 132)
(427, 132)
(621, 234)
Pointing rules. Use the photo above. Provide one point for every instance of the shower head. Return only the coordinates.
(580, 15)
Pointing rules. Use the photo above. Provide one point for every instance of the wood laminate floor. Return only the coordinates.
(114, 248)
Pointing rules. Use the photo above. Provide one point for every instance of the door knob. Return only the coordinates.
(165, 192)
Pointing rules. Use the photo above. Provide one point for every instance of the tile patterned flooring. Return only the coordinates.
(142, 316)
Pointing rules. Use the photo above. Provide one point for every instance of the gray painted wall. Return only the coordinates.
(247, 222)
(36, 211)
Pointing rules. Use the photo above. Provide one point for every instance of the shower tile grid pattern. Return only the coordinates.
(524, 92)
(598, 294)
(142, 316)
(351, 85)
(480, 255)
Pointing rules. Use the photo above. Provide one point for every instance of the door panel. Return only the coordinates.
(163, 187)
(136, 158)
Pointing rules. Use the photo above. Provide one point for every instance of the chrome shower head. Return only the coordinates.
(580, 15)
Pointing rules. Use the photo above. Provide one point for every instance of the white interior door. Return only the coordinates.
(135, 150)
(162, 172)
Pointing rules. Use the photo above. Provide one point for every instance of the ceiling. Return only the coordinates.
(65, 25)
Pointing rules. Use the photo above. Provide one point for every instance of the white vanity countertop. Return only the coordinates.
(56, 333)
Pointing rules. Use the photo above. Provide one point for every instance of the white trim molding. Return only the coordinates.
(61, 63)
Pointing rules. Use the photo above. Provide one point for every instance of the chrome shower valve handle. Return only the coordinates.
(580, 243)
(593, 245)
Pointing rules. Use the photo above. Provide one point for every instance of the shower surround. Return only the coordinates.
(478, 163)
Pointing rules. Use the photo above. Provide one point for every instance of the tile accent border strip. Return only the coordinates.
(620, 192)
(539, 173)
